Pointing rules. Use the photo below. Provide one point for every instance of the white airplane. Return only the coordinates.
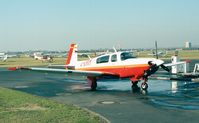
(118, 65)
(3, 57)
(158, 53)
(40, 56)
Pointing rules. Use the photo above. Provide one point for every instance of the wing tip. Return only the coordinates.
(18, 68)
(13, 68)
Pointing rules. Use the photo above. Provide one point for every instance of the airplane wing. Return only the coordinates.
(173, 64)
(66, 71)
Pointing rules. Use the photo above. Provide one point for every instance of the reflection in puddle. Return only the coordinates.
(164, 103)
(174, 86)
(21, 86)
(182, 95)
(161, 93)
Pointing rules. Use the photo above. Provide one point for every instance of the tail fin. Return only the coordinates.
(5, 58)
(72, 55)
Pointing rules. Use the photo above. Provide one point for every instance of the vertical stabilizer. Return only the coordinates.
(5, 57)
(72, 55)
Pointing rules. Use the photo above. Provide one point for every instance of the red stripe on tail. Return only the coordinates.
(72, 46)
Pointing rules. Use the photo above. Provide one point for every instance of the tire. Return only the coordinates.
(144, 86)
(134, 82)
(93, 86)
(135, 88)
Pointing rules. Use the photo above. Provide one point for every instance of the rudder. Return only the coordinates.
(72, 55)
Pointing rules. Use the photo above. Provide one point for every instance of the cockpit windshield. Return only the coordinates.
(127, 55)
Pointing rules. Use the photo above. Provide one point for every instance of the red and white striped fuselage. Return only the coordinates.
(123, 64)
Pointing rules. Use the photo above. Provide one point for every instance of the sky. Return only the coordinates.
(94, 24)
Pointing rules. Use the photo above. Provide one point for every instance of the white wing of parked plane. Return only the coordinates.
(173, 64)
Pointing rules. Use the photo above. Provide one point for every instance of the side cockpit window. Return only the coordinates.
(126, 55)
(114, 58)
(103, 59)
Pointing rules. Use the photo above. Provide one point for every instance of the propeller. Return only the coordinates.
(153, 68)
(156, 49)
(165, 68)
(156, 52)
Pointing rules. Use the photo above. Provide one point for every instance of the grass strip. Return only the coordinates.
(19, 107)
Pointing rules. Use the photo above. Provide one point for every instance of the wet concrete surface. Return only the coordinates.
(165, 101)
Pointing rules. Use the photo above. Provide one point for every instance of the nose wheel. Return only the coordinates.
(144, 86)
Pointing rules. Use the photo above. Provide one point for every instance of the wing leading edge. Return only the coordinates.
(66, 71)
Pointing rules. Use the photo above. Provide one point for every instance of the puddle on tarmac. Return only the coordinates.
(181, 95)
(162, 93)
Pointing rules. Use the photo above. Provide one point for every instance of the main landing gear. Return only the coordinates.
(92, 81)
(135, 87)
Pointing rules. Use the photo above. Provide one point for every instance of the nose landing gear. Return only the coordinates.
(144, 86)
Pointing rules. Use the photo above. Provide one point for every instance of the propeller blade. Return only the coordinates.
(165, 68)
(156, 49)
(153, 68)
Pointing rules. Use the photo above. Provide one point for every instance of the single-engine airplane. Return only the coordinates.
(3, 57)
(158, 53)
(118, 64)
(43, 58)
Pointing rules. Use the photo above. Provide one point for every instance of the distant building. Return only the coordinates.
(187, 44)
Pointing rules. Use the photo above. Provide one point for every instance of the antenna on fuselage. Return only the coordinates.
(107, 52)
(114, 49)
(89, 57)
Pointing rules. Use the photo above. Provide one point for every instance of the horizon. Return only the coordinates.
(102, 49)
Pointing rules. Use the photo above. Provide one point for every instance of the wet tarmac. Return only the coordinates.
(165, 101)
